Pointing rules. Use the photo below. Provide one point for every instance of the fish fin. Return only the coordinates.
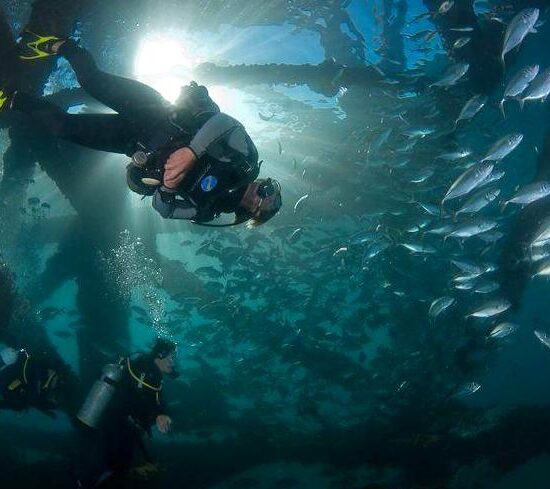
(503, 63)
(503, 205)
(521, 102)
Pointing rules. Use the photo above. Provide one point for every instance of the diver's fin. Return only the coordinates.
(34, 46)
(4, 100)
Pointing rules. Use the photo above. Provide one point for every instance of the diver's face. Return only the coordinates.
(167, 364)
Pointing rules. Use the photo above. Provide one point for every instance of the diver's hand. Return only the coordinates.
(164, 423)
(177, 166)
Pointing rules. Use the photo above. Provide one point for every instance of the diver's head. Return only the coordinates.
(261, 201)
(195, 100)
(164, 353)
(139, 182)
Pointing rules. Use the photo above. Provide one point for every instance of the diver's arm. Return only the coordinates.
(216, 128)
(166, 203)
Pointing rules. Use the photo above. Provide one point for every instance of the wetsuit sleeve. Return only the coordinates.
(166, 203)
(223, 138)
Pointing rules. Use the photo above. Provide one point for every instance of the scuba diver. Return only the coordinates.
(29, 380)
(120, 408)
(195, 161)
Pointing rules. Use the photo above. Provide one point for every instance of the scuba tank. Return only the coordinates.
(100, 395)
(8, 356)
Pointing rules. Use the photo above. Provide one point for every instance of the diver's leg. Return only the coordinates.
(104, 132)
(121, 94)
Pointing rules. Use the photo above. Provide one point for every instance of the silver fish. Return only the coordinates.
(502, 330)
(490, 236)
(454, 155)
(379, 141)
(468, 267)
(487, 287)
(503, 147)
(302, 199)
(472, 107)
(543, 337)
(419, 248)
(418, 133)
(542, 234)
(468, 181)
(490, 309)
(530, 193)
(478, 201)
(518, 28)
(467, 390)
(442, 230)
(374, 249)
(440, 305)
(452, 75)
(493, 177)
(473, 228)
(543, 270)
(445, 7)
(518, 83)
(461, 42)
(539, 88)
(422, 175)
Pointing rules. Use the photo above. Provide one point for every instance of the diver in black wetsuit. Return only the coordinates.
(195, 161)
(29, 380)
(121, 407)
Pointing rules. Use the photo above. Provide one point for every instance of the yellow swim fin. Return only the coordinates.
(4, 99)
(36, 46)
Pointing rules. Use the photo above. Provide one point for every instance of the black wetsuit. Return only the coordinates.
(29, 383)
(109, 450)
(143, 117)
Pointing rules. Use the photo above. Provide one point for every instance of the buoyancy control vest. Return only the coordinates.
(209, 182)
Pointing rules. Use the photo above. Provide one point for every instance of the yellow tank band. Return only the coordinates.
(140, 381)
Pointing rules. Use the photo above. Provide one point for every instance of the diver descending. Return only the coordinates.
(195, 161)
(120, 408)
(29, 380)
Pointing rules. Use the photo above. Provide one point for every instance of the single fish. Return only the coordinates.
(543, 270)
(539, 88)
(374, 249)
(503, 147)
(467, 390)
(461, 42)
(530, 193)
(468, 267)
(341, 250)
(490, 236)
(422, 175)
(300, 201)
(454, 155)
(453, 74)
(543, 337)
(442, 230)
(462, 29)
(379, 141)
(472, 107)
(472, 229)
(419, 248)
(478, 201)
(517, 29)
(493, 177)
(518, 83)
(468, 181)
(502, 330)
(490, 309)
(418, 133)
(438, 306)
(542, 235)
(445, 7)
(487, 287)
